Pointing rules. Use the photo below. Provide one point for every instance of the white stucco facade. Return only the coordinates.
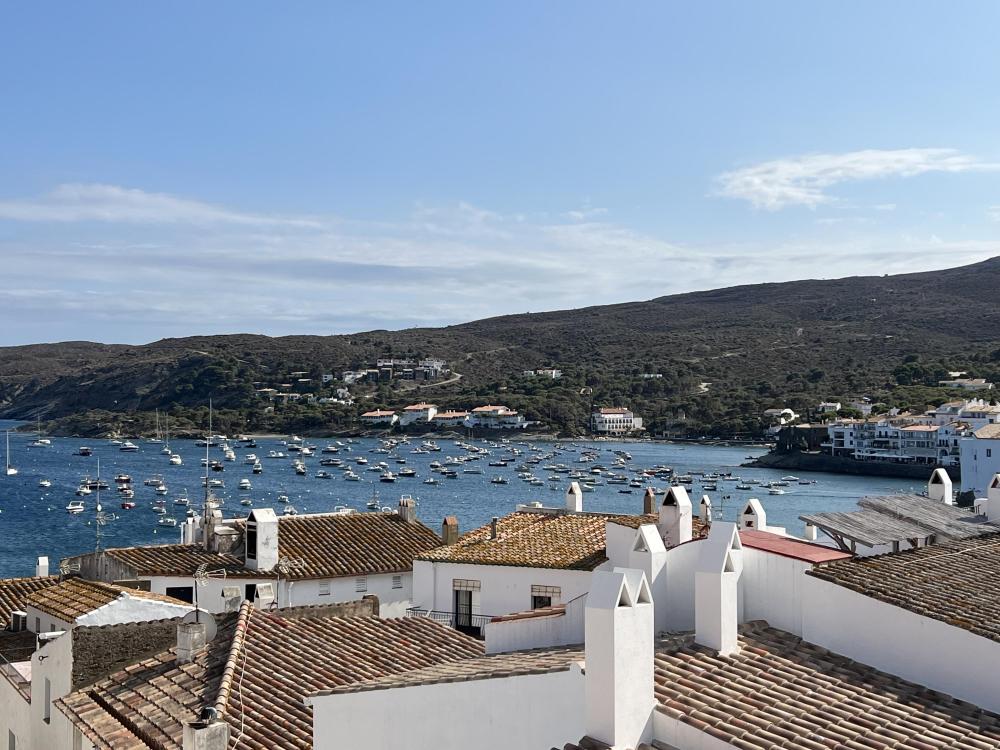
(980, 459)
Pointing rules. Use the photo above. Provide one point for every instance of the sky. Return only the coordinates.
(183, 168)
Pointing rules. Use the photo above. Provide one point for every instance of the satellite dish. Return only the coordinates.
(206, 619)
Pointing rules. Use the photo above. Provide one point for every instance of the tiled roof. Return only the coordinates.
(789, 547)
(781, 692)
(554, 610)
(14, 593)
(955, 582)
(329, 544)
(354, 544)
(378, 413)
(177, 560)
(530, 539)
(511, 664)
(589, 743)
(988, 432)
(419, 407)
(256, 672)
(75, 597)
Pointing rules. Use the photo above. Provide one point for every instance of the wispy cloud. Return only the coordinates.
(803, 180)
(78, 202)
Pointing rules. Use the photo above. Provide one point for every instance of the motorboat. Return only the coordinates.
(45, 483)
(250, 459)
(154, 481)
(431, 480)
(350, 476)
(182, 500)
(289, 510)
(161, 489)
(245, 484)
(75, 507)
(258, 468)
(323, 475)
(300, 469)
(407, 472)
(127, 493)
(83, 450)
(175, 459)
(83, 490)
(128, 504)
(166, 521)
(246, 501)
(499, 480)
(776, 491)
(387, 476)
(283, 498)
(128, 447)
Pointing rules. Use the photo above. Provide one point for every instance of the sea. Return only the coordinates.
(34, 520)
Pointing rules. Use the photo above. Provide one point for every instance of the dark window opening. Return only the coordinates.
(184, 593)
(250, 591)
(251, 541)
(537, 602)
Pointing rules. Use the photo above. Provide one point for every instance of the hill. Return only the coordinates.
(754, 346)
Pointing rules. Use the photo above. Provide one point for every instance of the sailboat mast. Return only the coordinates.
(97, 511)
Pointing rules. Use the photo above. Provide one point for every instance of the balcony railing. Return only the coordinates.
(470, 624)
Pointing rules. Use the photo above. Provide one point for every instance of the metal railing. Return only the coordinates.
(468, 623)
(21, 683)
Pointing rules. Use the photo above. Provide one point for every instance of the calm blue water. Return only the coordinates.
(33, 520)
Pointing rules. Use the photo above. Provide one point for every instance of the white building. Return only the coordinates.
(980, 458)
(379, 417)
(615, 421)
(450, 419)
(496, 418)
(968, 384)
(780, 416)
(417, 413)
(288, 560)
(828, 407)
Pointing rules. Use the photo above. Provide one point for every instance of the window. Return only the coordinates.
(251, 541)
(989, 453)
(324, 588)
(11, 740)
(544, 596)
(361, 584)
(184, 593)
(397, 582)
(250, 592)
(47, 705)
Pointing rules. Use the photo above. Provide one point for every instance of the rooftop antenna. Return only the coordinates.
(66, 567)
(202, 575)
(205, 504)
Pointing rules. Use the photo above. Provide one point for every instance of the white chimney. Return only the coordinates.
(190, 638)
(189, 530)
(262, 539)
(993, 499)
(675, 517)
(42, 567)
(619, 658)
(939, 487)
(716, 581)
(574, 498)
(810, 532)
(753, 515)
(209, 732)
(649, 555)
(705, 510)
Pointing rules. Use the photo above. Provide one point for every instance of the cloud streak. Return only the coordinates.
(80, 202)
(804, 180)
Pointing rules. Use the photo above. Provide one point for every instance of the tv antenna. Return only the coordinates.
(66, 567)
(202, 575)
(285, 567)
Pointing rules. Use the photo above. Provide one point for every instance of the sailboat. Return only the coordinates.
(11, 471)
(166, 443)
(157, 438)
(39, 441)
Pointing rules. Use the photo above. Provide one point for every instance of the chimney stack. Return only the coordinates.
(753, 516)
(493, 527)
(209, 732)
(449, 530)
(993, 499)
(407, 509)
(190, 638)
(574, 498)
(716, 581)
(649, 502)
(42, 567)
(705, 510)
(262, 539)
(675, 517)
(939, 487)
(618, 680)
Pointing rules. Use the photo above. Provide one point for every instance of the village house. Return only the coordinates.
(450, 419)
(496, 418)
(968, 384)
(615, 421)
(415, 413)
(287, 560)
(378, 417)
(828, 407)
(980, 458)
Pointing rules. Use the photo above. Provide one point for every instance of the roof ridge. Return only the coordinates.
(235, 648)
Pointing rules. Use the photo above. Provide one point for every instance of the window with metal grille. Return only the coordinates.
(324, 588)
(463, 584)
(397, 582)
(361, 584)
(544, 596)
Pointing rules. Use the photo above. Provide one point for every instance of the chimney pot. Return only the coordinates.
(449, 530)
(190, 638)
(42, 567)
(649, 502)
(940, 488)
(407, 509)
(493, 527)
(206, 734)
(574, 498)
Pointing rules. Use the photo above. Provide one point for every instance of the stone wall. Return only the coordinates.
(101, 651)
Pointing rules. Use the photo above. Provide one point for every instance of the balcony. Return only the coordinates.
(464, 622)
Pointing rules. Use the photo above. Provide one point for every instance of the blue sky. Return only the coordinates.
(169, 169)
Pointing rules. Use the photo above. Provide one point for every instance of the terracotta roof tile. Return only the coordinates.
(75, 597)
(780, 691)
(260, 682)
(177, 560)
(955, 582)
(14, 593)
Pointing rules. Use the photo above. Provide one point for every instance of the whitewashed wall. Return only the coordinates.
(771, 589)
(901, 642)
(57, 666)
(680, 568)
(538, 632)
(15, 715)
(504, 589)
(978, 468)
(530, 711)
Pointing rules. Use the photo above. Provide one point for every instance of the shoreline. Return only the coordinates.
(821, 462)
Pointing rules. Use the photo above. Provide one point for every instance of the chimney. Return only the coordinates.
(493, 527)
(407, 509)
(262, 539)
(209, 732)
(675, 517)
(42, 567)
(190, 638)
(716, 581)
(993, 499)
(705, 510)
(810, 532)
(574, 498)
(618, 680)
(449, 530)
(753, 515)
(939, 487)
(649, 502)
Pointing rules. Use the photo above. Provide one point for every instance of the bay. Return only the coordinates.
(34, 520)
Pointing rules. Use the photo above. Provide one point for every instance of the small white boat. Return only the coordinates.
(245, 484)
(776, 491)
(175, 459)
(246, 501)
(250, 459)
(75, 507)
(45, 483)
(258, 468)
(289, 511)
(431, 480)
(498, 480)
(283, 498)
(128, 447)
(11, 471)
(161, 489)
(350, 476)
(166, 521)
(790, 478)
(83, 489)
